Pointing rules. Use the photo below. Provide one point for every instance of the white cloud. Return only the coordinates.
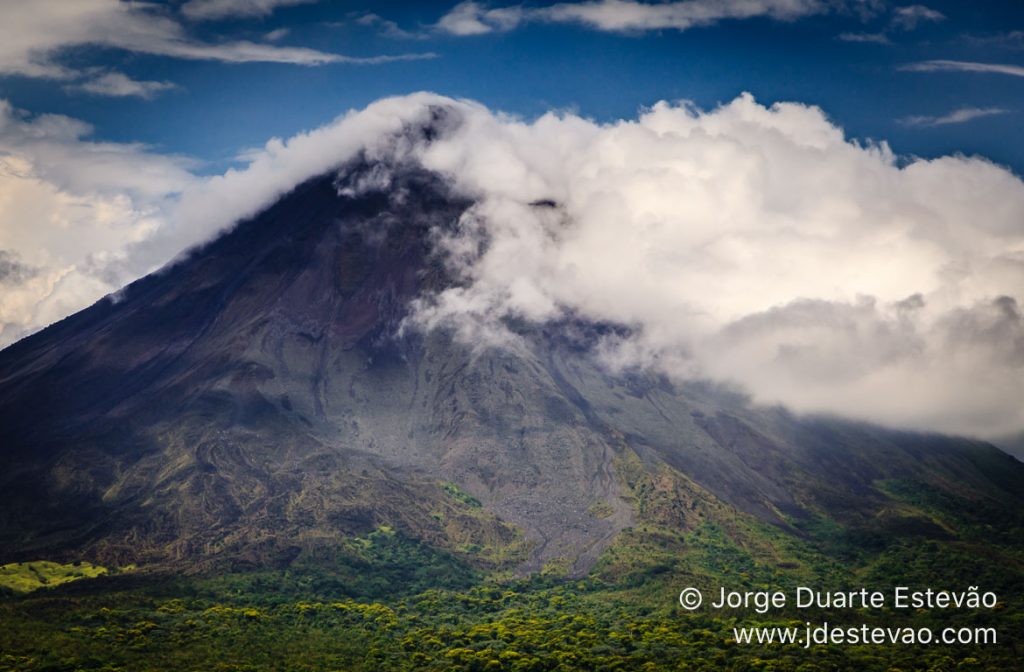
(940, 65)
(13, 271)
(903, 19)
(876, 38)
(960, 116)
(910, 17)
(753, 245)
(748, 244)
(205, 10)
(33, 35)
(474, 18)
(1013, 40)
(276, 35)
(388, 28)
(626, 15)
(80, 219)
(69, 211)
(118, 84)
(214, 203)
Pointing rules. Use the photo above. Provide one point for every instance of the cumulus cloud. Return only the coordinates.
(474, 18)
(205, 10)
(12, 270)
(940, 65)
(70, 208)
(960, 116)
(747, 244)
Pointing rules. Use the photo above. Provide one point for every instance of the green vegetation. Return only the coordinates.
(384, 601)
(384, 564)
(260, 622)
(460, 495)
(24, 577)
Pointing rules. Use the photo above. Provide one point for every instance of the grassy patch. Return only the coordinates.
(460, 495)
(25, 577)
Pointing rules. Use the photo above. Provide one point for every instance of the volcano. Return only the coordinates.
(264, 395)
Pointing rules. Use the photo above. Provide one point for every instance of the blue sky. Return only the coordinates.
(217, 109)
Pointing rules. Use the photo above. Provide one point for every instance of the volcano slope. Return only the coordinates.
(259, 399)
(260, 417)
